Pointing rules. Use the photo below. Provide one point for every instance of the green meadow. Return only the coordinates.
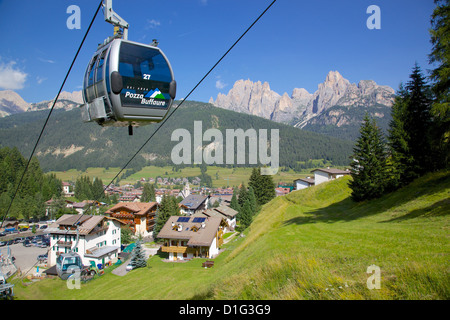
(311, 244)
(221, 177)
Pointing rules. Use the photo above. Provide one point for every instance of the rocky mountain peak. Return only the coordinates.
(11, 102)
(258, 99)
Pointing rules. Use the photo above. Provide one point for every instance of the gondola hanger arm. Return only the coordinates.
(112, 17)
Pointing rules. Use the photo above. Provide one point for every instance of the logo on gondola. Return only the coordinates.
(153, 97)
(155, 94)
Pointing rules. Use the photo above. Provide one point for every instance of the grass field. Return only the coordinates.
(225, 176)
(311, 244)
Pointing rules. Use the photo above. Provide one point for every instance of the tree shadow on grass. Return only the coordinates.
(348, 210)
(439, 208)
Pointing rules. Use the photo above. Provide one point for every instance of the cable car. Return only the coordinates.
(66, 263)
(127, 83)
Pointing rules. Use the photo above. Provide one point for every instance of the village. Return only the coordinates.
(94, 232)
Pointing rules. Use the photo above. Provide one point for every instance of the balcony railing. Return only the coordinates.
(177, 249)
(63, 243)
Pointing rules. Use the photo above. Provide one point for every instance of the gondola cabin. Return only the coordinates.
(127, 84)
(67, 263)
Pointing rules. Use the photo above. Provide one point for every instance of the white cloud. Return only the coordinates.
(152, 24)
(220, 84)
(11, 78)
(39, 80)
(46, 60)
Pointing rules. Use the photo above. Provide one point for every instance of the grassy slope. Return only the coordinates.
(311, 244)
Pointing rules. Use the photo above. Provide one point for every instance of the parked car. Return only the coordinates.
(2, 243)
(42, 257)
(129, 267)
(27, 243)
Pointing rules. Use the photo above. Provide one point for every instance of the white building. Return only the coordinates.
(190, 237)
(324, 175)
(303, 183)
(99, 238)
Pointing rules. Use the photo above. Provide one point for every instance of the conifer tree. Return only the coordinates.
(401, 159)
(263, 186)
(234, 201)
(252, 200)
(138, 256)
(368, 168)
(440, 56)
(148, 193)
(167, 208)
(243, 193)
(245, 215)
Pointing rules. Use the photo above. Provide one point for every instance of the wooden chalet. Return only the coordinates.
(139, 216)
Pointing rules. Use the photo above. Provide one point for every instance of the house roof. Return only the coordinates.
(86, 223)
(193, 201)
(332, 171)
(137, 208)
(308, 180)
(100, 252)
(221, 211)
(201, 237)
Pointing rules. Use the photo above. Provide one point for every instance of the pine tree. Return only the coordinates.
(267, 189)
(242, 195)
(401, 159)
(138, 256)
(252, 200)
(148, 194)
(234, 204)
(418, 122)
(255, 183)
(440, 56)
(263, 186)
(246, 215)
(368, 168)
(411, 132)
(167, 208)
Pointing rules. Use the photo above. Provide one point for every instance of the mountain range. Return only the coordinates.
(68, 143)
(336, 108)
(11, 102)
(336, 103)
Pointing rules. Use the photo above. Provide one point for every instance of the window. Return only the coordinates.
(101, 61)
(91, 71)
(145, 72)
(135, 61)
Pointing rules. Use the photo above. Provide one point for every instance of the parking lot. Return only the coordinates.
(26, 257)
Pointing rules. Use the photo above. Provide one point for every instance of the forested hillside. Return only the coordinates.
(68, 143)
(36, 187)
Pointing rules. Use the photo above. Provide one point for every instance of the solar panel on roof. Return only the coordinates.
(198, 220)
(183, 219)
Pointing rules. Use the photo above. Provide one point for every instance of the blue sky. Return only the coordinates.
(294, 45)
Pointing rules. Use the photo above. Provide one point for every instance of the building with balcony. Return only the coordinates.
(98, 238)
(139, 216)
(186, 238)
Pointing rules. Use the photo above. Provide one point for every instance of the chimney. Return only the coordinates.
(203, 225)
(180, 227)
